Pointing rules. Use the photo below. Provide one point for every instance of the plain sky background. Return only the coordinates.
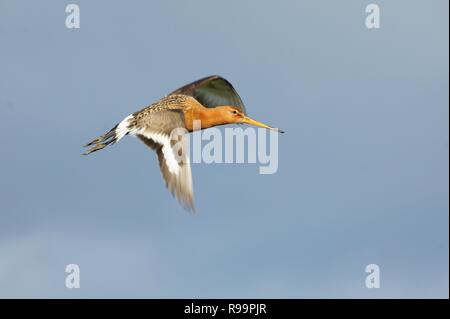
(363, 167)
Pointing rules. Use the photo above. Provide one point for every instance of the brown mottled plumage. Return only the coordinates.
(211, 100)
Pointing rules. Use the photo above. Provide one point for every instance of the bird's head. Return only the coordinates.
(233, 115)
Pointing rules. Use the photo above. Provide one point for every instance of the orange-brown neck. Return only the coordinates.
(207, 117)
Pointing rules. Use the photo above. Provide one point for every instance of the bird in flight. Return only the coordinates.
(210, 101)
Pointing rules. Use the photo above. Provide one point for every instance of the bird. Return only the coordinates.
(211, 100)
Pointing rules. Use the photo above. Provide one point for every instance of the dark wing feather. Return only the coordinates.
(212, 91)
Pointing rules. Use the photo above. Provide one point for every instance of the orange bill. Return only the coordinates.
(250, 121)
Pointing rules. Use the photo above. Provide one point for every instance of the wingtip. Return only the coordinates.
(190, 210)
(187, 206)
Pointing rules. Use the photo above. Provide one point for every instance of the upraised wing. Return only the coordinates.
(212, 91)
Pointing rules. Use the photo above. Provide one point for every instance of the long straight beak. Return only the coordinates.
(250, 121)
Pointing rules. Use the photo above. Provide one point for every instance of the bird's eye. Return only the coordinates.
(234, 112)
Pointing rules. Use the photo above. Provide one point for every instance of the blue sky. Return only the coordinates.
(363, 167)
